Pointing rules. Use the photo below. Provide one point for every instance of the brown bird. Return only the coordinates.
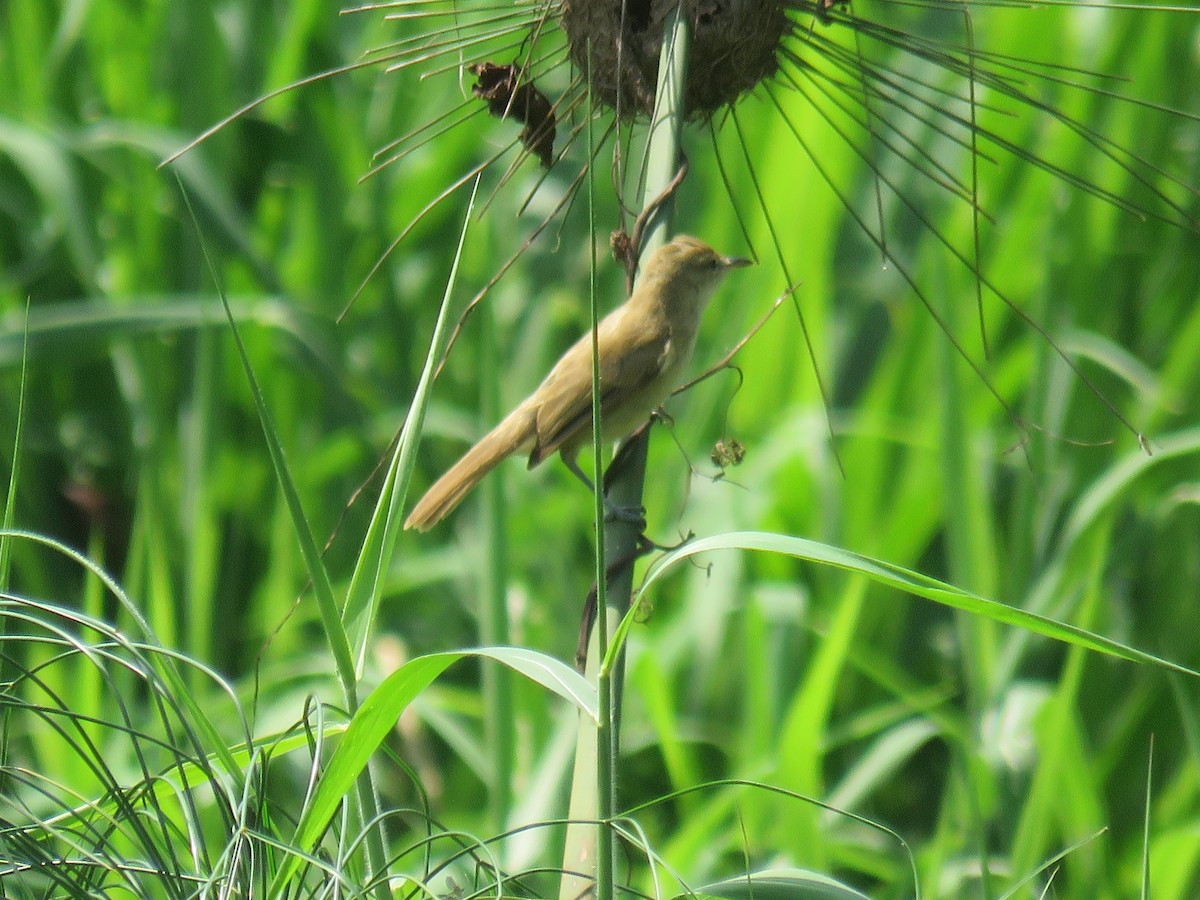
(645, 346)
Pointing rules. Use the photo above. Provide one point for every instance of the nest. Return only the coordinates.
(733, 48)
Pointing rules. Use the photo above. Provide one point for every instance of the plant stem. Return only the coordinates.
(593, 796)
(493, 619)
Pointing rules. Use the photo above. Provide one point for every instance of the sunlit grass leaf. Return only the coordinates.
(121, 784)
(905, 580)
(50, 170)
(10, 495)
(163, 661)
(779, 884)
(1109, 487)
(202, 180)
(379, 712)
(379, 542)
(53, 327)
(335, 633)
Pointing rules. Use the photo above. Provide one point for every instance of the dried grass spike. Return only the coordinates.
(508, 97)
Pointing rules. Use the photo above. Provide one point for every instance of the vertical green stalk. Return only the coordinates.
(7, 665)
(493, 616)
(968, 545)
(968, 537)
(593, 789)
(195, 514)
(14, 473)
(606, 743)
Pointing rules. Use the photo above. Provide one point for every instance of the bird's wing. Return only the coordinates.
(565, 397)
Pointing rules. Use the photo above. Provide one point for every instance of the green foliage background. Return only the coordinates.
(141, 444)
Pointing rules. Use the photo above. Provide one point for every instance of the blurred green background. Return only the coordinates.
(141, 445)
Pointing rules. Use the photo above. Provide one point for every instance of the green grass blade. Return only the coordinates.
(14, 470)
(330, 618)
(910, 582)
(377, 717)
(780, 884)
(363, 597)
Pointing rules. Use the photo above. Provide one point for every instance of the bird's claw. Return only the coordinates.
(633, 515)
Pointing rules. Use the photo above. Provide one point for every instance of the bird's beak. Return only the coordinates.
(736, 262)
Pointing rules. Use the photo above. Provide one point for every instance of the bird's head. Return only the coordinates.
(686, 271)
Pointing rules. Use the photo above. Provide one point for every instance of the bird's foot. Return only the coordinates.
(660, 414)
(633, 515)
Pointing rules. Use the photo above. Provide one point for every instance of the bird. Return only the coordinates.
(645, 346)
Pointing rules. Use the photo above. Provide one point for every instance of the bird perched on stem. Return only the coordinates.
(645, 346)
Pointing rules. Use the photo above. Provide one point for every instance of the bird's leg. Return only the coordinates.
(635, 515)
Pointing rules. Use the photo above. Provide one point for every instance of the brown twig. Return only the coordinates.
(724, 361)
(627, 248)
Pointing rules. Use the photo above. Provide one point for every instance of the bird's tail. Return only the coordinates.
(513, 434)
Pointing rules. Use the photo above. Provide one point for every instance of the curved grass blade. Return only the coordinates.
(378, 714)
(904, 580)
(779, 884)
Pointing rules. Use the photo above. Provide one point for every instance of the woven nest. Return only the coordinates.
(733, 48)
